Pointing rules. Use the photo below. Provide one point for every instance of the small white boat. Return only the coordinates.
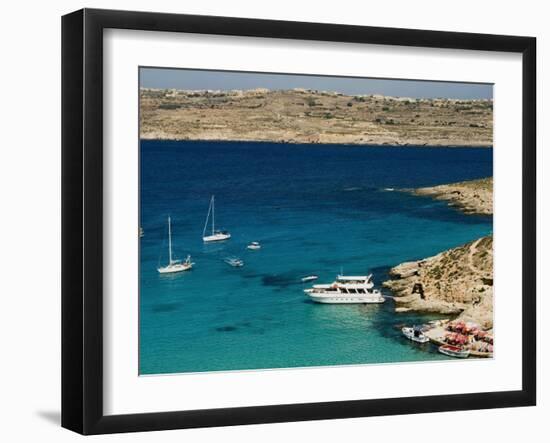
(309, 278)
(215, 235)
(174, 265)
(253, 246)
(346, 289)
(234, 261)
(454, 351)
(415, 334)
(141, 234)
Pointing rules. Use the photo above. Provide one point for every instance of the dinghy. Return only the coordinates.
(415, 334)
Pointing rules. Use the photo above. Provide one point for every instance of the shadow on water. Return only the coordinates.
(282, 281)
(388, 324)
(380, 273)
(228, 328)
(165, 307)
(244, 326)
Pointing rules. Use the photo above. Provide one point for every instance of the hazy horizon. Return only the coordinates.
(200, 80)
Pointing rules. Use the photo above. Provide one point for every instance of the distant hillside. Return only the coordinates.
(304, 116)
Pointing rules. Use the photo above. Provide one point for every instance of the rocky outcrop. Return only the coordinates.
(306, 116)
(458, 281)
(472, 197)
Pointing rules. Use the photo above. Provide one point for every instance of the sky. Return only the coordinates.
(168, 78)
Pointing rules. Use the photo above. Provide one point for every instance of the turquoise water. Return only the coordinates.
(315, 209)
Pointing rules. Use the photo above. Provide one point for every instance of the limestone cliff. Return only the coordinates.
(457, 281)
(472, 197)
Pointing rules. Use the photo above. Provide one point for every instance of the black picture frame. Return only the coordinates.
(82, 220)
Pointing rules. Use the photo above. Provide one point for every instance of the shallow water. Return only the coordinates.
(316, 209)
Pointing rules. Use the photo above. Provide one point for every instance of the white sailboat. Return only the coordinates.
(174, 265)
(215, 235)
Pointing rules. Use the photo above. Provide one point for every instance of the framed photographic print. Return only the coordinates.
(270, 221)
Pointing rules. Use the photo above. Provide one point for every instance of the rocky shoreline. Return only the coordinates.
(472, 197)
(311, 116)
(458, 281)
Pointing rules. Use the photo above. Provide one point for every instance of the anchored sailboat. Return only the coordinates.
(215, 235)
(174, 265)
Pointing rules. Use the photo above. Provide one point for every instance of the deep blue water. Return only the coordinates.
(315, 209)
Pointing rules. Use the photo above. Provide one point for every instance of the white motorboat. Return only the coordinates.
(309, 278)
(234, 261)
(141, 234)
(346, 289)
(415, 334)
(174, 265)
(253, 246)
(215, 235)
(454, 351)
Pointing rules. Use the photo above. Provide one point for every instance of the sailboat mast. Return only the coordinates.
(169, 241)
(207, 218)
(212, 215)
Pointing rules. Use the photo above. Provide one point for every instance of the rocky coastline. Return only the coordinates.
(458, 281)
(471, 197)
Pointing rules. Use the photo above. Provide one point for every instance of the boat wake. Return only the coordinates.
(352, 189)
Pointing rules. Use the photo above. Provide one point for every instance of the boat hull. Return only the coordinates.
(216, 238)
(172, 269)
(455, 354)
(347, 289)
(410, 335)
(335, 299)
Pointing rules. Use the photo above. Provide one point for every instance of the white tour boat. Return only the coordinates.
(214, 235)
(346, 289)
(174, 265)
(415, 334)
(254, 246)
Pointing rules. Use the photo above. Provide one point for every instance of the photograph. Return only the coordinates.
(274, 222)
(298, 221)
